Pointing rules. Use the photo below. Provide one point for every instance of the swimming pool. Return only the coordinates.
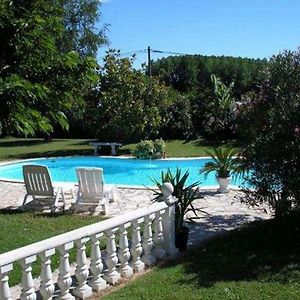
(122, 171)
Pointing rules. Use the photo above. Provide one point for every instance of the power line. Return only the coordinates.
(133, 52)
(149, 51)
(168, 52)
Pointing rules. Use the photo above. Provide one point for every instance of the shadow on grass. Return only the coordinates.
(22, 143)
(55, 153)
(217, 143)
(267, 251)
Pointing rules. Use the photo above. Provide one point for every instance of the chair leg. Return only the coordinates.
(25, 199)
(105, 208)
(63, 199)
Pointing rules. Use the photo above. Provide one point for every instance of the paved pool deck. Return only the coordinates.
(224, 211)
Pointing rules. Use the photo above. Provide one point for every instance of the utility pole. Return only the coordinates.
(149, 61)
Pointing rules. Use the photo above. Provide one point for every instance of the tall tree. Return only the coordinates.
(38, 83)
(190, 73)
(126, 105)
(80, 20)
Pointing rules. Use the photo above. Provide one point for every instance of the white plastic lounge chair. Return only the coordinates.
(92, 190)
(39, 186)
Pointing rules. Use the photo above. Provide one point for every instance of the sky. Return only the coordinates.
(246, 28)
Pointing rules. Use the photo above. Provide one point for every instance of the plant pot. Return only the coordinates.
(181, 238)
(223, 185)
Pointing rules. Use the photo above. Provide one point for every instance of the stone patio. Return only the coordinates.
(224, 211)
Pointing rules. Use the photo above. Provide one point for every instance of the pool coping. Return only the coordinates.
(123, 186)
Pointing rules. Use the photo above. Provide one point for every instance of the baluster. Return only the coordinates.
(136, 248)
(96, 267)
(47, 287)
(64, 280)
(111, 259)
(148, 258)
(82, 291)
(158, 237)
(169, 230)
(124, 254)
(5, 293)
(28, 292)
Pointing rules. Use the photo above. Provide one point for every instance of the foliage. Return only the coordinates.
(190, 73)
(144, 149)
(150, 149)
(38, 84)
(186, 194)
(159, 148)
(126, 103)
(273, 139)
(178, 118)
(216, 109)
(80, 34)
(224, 162)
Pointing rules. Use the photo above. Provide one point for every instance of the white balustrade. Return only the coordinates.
(136, 248)
(96, 267)
(64, 280)
(5, 293)
(112, 276)
(82, 291)
(28, 292)
(148, 244)
(47, 286)
(158, 237)
(158, 221)
(124, 254)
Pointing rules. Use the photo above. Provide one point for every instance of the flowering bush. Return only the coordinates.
(270, 126)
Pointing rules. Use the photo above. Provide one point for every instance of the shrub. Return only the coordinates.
(273, 139)
(159, 148)
(150, 149)
(184, 192)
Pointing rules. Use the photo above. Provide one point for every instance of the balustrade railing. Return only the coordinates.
(152, 236)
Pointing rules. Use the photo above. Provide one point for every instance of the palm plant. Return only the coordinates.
(186, 194)
(225, 161)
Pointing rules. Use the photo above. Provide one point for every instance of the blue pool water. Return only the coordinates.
(116, 170)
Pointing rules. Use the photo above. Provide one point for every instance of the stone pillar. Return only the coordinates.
(169, 219)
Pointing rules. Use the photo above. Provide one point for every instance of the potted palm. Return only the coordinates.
(225, 161)
(186, 195)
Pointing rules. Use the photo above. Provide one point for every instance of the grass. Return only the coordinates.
(19, 148)
(21, 229)
(258, 261)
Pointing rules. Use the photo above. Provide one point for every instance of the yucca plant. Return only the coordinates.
(186, 194)
(225, 161)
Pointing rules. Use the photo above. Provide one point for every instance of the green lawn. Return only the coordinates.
(21, 229)
(259, 261)
(17, 148)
